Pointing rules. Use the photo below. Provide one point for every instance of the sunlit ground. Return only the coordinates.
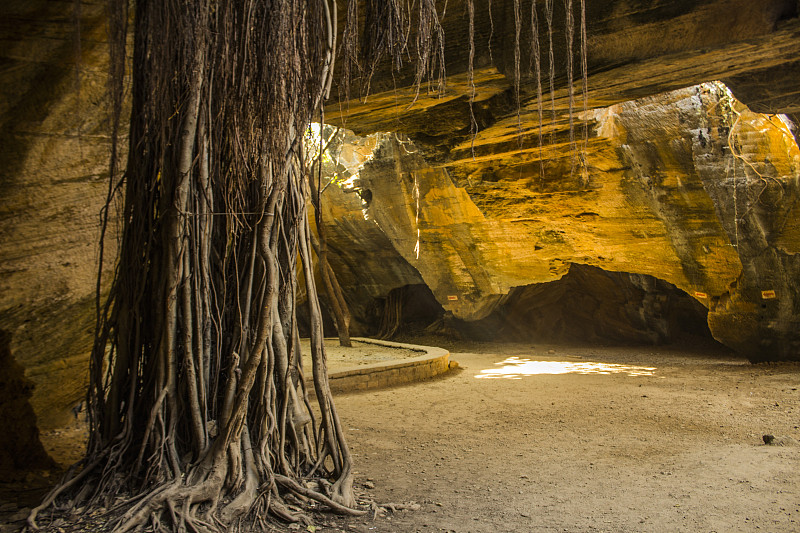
(517, 368)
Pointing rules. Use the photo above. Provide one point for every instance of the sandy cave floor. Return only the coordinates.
(574, 438)
(589, 439)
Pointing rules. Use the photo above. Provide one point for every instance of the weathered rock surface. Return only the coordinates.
(658, 200)
(53, 183)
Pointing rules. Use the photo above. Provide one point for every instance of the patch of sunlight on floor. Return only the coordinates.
(517, 368)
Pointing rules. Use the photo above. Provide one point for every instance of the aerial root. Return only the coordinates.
(295, 487)
(59, 490)
(175, 506)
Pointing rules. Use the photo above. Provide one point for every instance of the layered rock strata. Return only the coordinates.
(688, 187)
(54, 154)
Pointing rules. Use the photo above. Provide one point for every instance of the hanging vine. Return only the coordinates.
(537, 72)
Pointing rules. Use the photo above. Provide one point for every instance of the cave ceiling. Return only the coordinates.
(633, 48)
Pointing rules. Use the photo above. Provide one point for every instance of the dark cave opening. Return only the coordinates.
(20, 448)
(587, 305)
(592, 305)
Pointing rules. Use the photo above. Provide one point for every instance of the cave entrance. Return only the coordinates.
(406, 312)
(409, 310)
(588, 305)
(592, 305)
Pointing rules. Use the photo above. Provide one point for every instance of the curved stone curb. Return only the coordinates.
(433, 362)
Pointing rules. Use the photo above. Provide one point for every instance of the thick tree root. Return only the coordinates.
(321, 498)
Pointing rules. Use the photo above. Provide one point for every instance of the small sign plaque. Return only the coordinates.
(452, 298)
(698, 294)
(768, 295)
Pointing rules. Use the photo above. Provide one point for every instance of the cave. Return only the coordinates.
(20, 448)
(587, 305)
(590, 305)
(659, 207)
(671, 203)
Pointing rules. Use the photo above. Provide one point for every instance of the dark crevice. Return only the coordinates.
(20, 448)
(587, 305)
(405, 311)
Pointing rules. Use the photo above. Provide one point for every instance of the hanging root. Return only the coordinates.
(392, 314)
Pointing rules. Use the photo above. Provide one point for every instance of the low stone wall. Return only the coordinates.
(431, 362)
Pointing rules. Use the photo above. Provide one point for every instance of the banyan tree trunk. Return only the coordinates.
(199, 410)
(200, 416)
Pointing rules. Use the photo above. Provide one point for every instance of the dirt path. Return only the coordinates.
(673, 442)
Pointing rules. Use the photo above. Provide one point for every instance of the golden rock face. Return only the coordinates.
(657, 198)
(687, 185)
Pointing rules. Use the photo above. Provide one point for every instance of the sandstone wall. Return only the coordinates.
(53, 183)
(652, 194)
